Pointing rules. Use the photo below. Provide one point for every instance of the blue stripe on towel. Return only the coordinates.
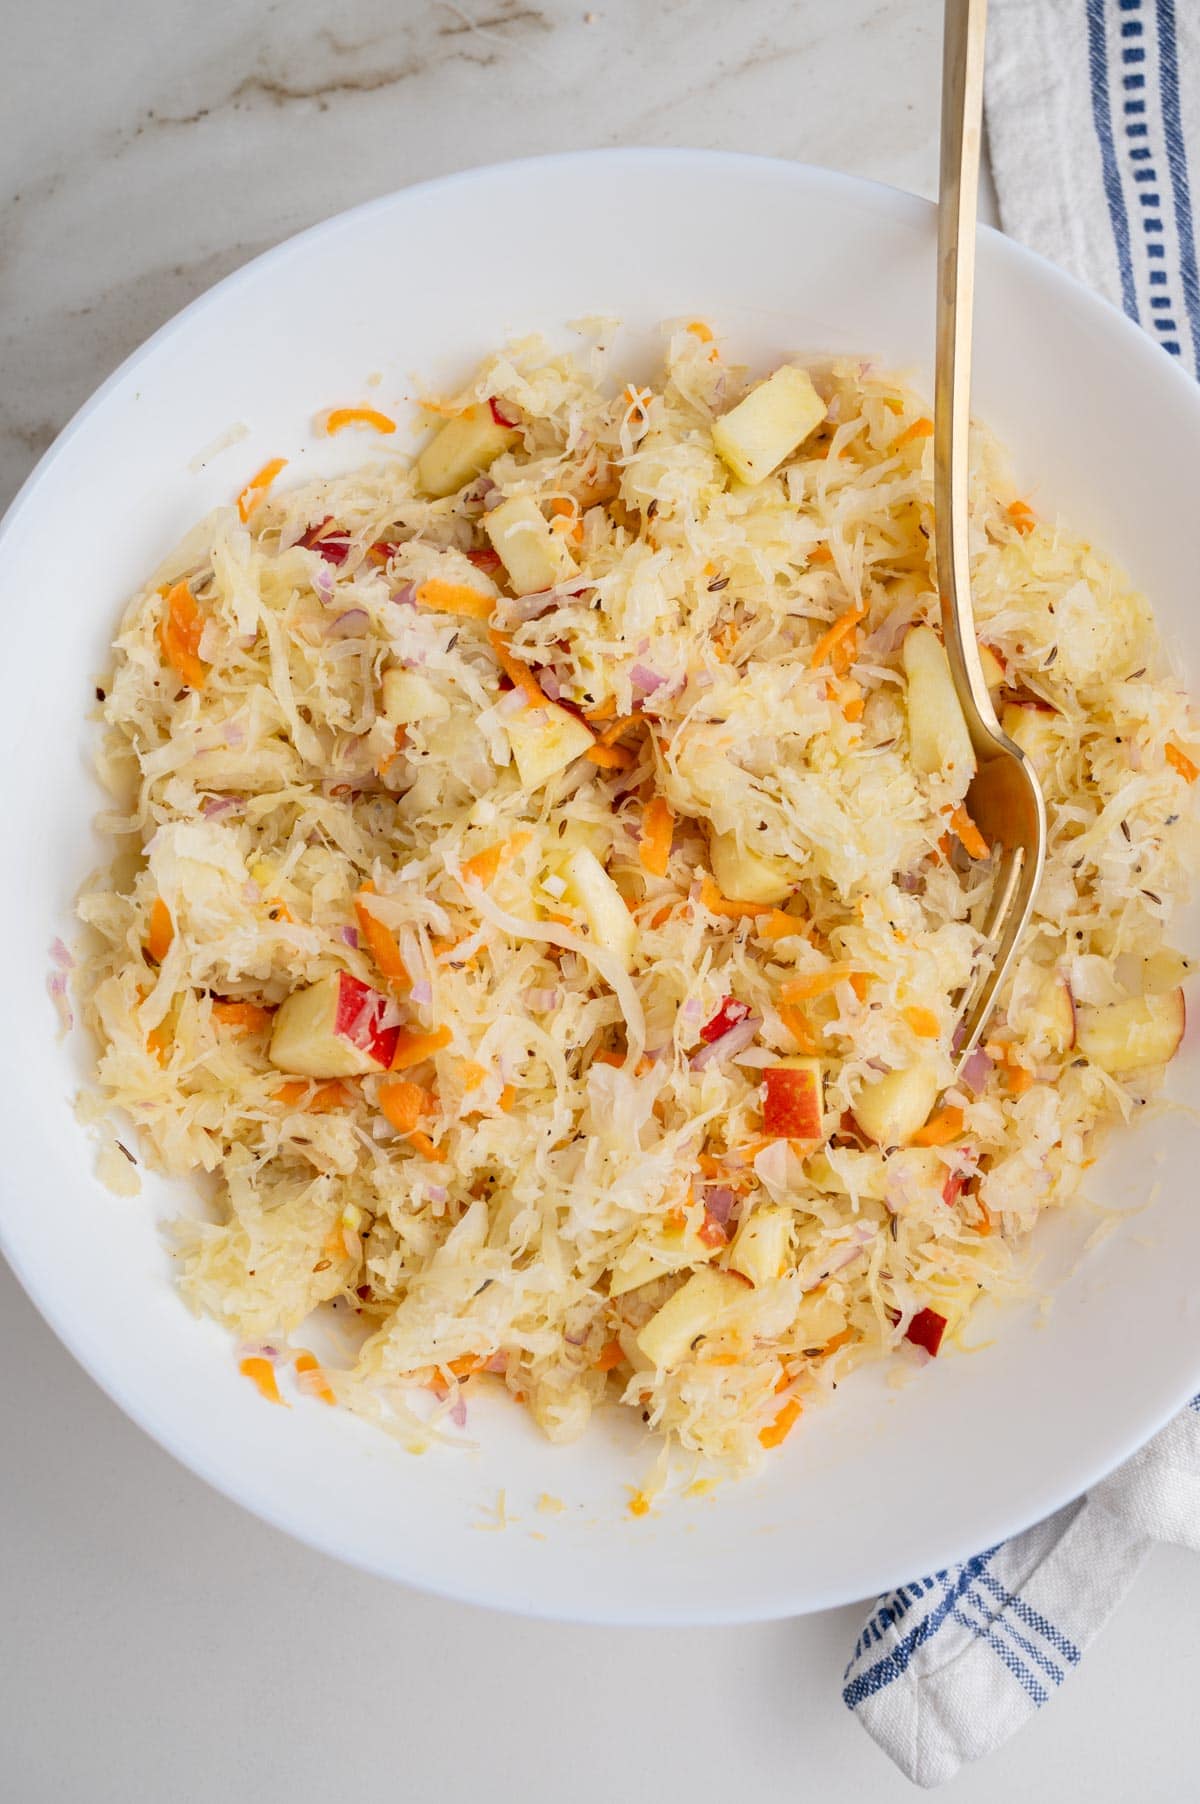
(1102, 119)
(1168, 83)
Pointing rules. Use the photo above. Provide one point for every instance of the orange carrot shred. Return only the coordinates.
(455, 598)
(969, 837)
(484, 866)
(922, 428)
(258, 485)
(611, 757)
(339, 417)
(941, 1128)
(610, 1356)
(699, 330)
(781, 1427)
(816, 983)
(312, 1379)
(517, 672)
(179, 633)
(244, 1017)
(923, 1021)
(162, 931)
(717, 904)
(262, 1374)
(1178, 759)
(421, 1143)
(322, 1100)
(829, 641)
(413, 1047)
(1021, 515)
(778, 924)
(797, 1025)
(658, 826)
(404, 1103)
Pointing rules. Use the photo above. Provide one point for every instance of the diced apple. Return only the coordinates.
(1127, 1036)
(544, 741)
(746, 876)
(858, 1173)
(754, 437)
(534, 556)
(760, 1246)
(1034, 729)
(333, 1028)
(463, 449)
(817, 1320)
(794, 1102)
(671, 1250)
(694, 1310)
(891, 1108)
(590, 888)
(1053, 1014)
(993, 669)
(1164, 970)
(938, 740)
(407, 695)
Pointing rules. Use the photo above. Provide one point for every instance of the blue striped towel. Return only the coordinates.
(1090, 108)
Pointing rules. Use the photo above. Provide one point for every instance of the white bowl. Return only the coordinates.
(890, 1483)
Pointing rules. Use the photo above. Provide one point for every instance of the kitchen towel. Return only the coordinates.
(1091, 107)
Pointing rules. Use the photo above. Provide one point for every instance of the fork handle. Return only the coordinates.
(958, 195)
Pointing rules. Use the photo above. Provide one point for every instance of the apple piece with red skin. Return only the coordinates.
(1129, 1036)
(891, 1108)
(1053, 1014)
(926, 1330)
(794, 1101)
(334, 1028)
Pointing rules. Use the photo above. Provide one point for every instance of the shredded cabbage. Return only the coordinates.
(577, 1160)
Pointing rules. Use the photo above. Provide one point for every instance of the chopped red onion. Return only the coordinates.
(511, 702)
(540, 1002)
(692, 1009)
(497, 1363)
(334, 547)
(348, 625)
(644, 681)
(719, 1202)
(575, 1337)
(976, 1071)
(436, 1193)
(323, 583)
(458, 1411)
(350, 936)
(61, 956)
(258, 1349)
(422, 994)
(406, 596)
(736, 1040)
(235, 732)
(212, 806)
(549, 683)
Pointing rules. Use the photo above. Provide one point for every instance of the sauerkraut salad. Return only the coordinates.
(541, 878)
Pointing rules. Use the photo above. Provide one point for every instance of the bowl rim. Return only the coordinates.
(1053, 1495)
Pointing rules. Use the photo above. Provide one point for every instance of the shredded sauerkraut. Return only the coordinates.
(599, 775)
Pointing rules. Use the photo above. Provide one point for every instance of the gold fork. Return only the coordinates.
(1004, 798)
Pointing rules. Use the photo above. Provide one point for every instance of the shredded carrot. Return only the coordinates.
(602, 711)
(1178, 759)
(820, 554)
(608, 1057)
(969, 837)
(1018, 1078)
(661, 914)
(443, 950)
(422, 1144)
(566, 521)
(258, 485)
(381, 941)
(179, 633)
(454, 598)
(783, 1424)
(829, 641)
(797, 1025)
(923, 1021)
(506, 1098)
(413, 1047)
(816, 983)
(262, 1373)
(245, 1017)
(324, 1098)
(404, 1103)
(162, 931)
(312, 1379)
(639, 1504)
(748, 1153)
(472, 1074)
(658, 827)
(675, 1219)
(778, 924)
(517, 672)
(984, 1227)
(852, 703)
(717, 904)
(941, 1128)
(839, 1340)
(358, 416)
(922, 428)
(699, 330)
(1021, 515)
(483, 867)
(611, 757)
(618, 729)
(158, 1041)
(610, 1356)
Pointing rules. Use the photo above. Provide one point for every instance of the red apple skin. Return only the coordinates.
(358, 1016)
(791, 1107)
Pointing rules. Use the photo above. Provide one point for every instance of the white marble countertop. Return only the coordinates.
(158, 1642)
